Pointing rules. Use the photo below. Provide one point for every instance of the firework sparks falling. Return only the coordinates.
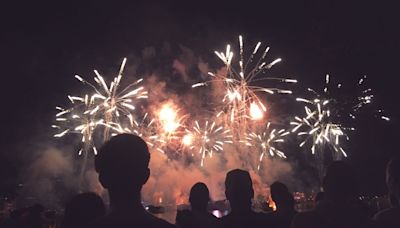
(240, 98)
(319, 128)
(77, 120)
(144, 128)
(366, 97)
(206, 139)
(267, 142)
(321, 125)
(110, 101)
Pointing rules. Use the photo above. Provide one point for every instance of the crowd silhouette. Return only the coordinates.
(123, 168)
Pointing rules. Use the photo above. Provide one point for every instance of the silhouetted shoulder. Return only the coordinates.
(144, 220)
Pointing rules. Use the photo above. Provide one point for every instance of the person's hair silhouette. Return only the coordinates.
(284, 201)
(239, 192)
(198, 216)
(239, 189)
(83, 209)
(122, 165)
(281, 196)
(199, 197)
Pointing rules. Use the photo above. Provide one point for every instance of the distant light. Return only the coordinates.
(217, 213)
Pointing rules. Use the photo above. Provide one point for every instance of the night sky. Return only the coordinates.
(43, 44)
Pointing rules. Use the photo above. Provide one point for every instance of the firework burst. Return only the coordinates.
(78, 120)
(206, 139)
(364, 98)
(240, 98)
(319, 128)
(110, 101)
(267, 142)
(146, 129)
(321, 125)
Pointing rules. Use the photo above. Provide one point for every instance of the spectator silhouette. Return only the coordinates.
(198, 216)
(122, 164)
(239, 191)
(391, 217)
(83, 209)
(284, 202)
(339, 208)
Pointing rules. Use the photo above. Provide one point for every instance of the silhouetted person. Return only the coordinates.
(198, 216)
(83, 209)
(239, 191)
(391, 217)
(284, 202)
(340, 207)
(122, 164)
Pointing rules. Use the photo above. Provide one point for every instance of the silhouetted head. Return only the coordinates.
(393, 180)
(281, 196)
(278, 192)
(339, 183)
(83, 209)
(122, 164)
(239, 189)
(199, 196)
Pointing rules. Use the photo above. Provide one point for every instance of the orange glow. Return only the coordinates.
(255, 112)
(187, 140)
(272, 204)
(168, 118)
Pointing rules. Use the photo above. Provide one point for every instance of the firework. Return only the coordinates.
(111, 102)
(319, 128)
(78, 120)
(266, 142)
(240, 98)
(206, 139)
(146, 129)
(105, 107)
(365, 97)
(321, 123)
(169, 120)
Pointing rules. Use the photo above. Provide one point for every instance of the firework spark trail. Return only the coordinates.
(321, 124)
(267, 141)
(78, 120)
(366, 97)
(110, 102)
(146, 129)
(240, 98)
(206, 139)
(105, 107)
(318, 128)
